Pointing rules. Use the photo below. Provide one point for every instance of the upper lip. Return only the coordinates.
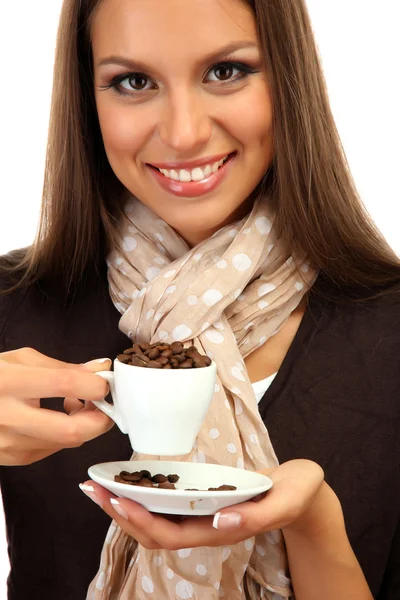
(190, 164)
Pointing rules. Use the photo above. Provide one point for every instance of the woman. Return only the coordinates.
(192, 145)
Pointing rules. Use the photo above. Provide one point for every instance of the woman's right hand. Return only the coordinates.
(28, 432)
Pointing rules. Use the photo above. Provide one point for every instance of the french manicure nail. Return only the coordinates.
(98, 360)
(90, 493)
(226, 520)
(119, 509)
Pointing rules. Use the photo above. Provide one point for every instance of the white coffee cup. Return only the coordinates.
(161, 410)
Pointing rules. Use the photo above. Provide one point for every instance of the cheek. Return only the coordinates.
(251, 120)
(121, 133)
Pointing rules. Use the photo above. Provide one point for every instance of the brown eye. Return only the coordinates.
(138, 81)
(224, 72)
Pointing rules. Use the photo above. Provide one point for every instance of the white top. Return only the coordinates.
(260, 387)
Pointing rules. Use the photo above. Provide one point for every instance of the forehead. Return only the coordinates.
(130, 27)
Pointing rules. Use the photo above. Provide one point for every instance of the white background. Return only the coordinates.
(360, 49)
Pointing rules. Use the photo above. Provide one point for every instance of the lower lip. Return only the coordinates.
(193, 189)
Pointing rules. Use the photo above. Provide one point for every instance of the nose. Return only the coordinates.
(185, 125)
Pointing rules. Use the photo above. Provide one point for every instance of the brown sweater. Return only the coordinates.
(335, 400)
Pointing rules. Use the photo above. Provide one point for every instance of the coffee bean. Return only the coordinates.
(187, 364)
(167, 353)
(173, 478)
(226, 487)
(167, 367)
(180, 358)
(191, 490)
(145, 473)
(154, 354)
(145, 482)
(131, 476)
(137, 362)
(129, 351)
(144, 358)
(176, 347)
(153, 364)
(167, 485)
(159, 478)
(137, 349)
(163, 360)
(123, 358)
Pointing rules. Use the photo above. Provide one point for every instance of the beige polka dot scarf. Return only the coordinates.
(227, 296)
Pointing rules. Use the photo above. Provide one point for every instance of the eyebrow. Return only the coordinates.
(220, 54)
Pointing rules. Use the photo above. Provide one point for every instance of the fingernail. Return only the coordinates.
(88, 490)
(226, 520)
(98, 360)
(119, 509)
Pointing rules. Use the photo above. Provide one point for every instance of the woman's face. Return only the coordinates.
(191, 92)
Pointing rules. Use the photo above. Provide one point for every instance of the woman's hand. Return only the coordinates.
(29, 433)
(297, 484)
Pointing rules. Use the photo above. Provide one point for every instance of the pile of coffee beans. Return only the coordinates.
(144, 478)
(164, 356)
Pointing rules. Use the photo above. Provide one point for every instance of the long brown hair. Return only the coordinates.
(318, 209)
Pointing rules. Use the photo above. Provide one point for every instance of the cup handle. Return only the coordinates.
(110, 409)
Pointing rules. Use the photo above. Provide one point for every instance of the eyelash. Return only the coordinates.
(244, 71)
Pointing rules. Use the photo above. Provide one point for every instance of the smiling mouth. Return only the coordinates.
(196, 174)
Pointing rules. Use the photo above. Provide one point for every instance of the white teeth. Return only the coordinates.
(196, 174)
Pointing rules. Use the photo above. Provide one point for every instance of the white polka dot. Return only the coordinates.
(240, 463)
(249, 325)
(170, 574)
(162, 335)
(242, 262)
(150, 314)
(170, 289)
(227, 403)
(263, 225)
(231, 448)
(262, 304)
(101, 581)
(262, 341)
(225, 553)
(265, 288)
(129, 243)
(270, 247)
(205, 326)
(246, 231)
(299, 285)
(151, 273)
(305, 268)
(184, 589)
(197, 257)
(159, 237)
(273, 537)
(119, 306)
(180, 332)
(249, 452)
(253, 438)
(248, 544)
(192, 300)
(217, 585)
(222, 264)
(201, 570)
(118, 261)
(211, 297)
(161, 249)
(237, 294)
(214, 433)
(147, 585)
(131, 562)
(237, 373)
(184, 552)
(283, 577)
(238, 406)
(240, 365)
(199, 457)
(219, 325)
(260, 550)
(158, 316)
(169, 274)
(216, 258)
(158, 561)
(216, 388)
(110, 533)
(161, 223)
(214, 336)
(233, 233)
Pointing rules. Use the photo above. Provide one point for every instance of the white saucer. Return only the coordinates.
(191, 475)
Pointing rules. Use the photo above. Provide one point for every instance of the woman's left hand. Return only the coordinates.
(287, 505)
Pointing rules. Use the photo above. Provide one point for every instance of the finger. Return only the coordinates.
(103, 497)
(73, 405)
(17, 450)
(32, 358)
(59, 428)
(40, 382)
